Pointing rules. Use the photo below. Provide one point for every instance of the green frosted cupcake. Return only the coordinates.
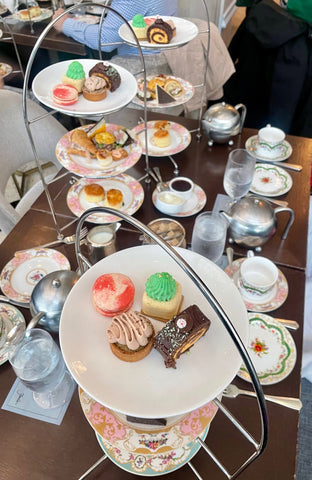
(139, 27)
(75, 76)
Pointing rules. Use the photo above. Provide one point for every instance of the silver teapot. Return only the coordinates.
(221, 122)
(252, 221)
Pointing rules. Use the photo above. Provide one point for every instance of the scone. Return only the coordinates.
(131, 336)
(180, 334)
(161, 138)
(162, 297)
(113, 198)
(112, 294)
(94, 193)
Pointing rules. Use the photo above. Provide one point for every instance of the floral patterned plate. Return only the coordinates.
(271, 349)
(130, 437)
(270, 180)
(155, 464)
(21, 274)
(14, 318)
(132, 191)
(279, 295)
(252, 144)
(193, 205)
(180, 139)
(184, 96)
(90, 168)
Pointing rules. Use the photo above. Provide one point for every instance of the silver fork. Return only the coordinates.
(68, 240)
(232, 391)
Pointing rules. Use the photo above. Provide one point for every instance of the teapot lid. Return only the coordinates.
(222, 116)
(253, 210)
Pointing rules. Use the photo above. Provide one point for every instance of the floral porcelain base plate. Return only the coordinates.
(154, 464)
(193, 205)
(180, 139)
(14, 318)
(271, 349)
(270, 180)
(277, 299)
(131, 189)
(21, 274)
(252, 144)
(109, 425)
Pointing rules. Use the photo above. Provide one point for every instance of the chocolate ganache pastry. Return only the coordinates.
(161, 31)
(109, 73)
(180, 334)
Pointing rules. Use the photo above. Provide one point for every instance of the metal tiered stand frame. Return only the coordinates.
(84, 264)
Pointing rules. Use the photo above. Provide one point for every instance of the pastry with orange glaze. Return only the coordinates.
(112, 294)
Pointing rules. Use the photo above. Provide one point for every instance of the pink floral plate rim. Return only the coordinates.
(150, 465)
(110, 427)
(15, 317)
(272, 350)
(185, 96)
(192, 206)
(180, 141)
(269, 305)
(90, 168)
(270, 180)
(132, 191)
(34, 273)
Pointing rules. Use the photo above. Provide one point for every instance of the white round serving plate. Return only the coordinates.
(271, 348)
(270, 180)
(180, 139)
(185, 96)
(131, 189)
(22, 273)
(151, 465)
(185, 32)
(48, 78)
(46, 13)
(15, 317)
(91, 168)
(274, 301)
(252, 143)
(5, 68)
(131, 437)
(147, 388)
(192, 205)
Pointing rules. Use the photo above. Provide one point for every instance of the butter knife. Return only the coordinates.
(291, 324)
(290, 166)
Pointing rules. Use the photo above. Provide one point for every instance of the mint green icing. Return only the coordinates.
(161, 287)
(138, 21)
(75, 71)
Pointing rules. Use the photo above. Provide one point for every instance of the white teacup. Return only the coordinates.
(257, 278)
(270, 142)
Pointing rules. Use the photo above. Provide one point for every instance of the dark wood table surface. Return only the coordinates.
(38, 450)
(53, 40)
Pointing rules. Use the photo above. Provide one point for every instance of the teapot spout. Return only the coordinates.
(225, 215)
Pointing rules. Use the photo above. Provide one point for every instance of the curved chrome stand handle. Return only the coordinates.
(216, 307)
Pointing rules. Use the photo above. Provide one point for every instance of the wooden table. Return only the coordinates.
(37, 450)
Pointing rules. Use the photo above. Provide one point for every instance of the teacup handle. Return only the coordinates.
(290, 221)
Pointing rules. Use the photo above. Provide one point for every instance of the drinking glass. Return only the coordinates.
(38, 363)
(209, 234)
(238, 173)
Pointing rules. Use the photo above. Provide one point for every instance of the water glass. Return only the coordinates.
(38, 362)
(238, 173)
(209, 234)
